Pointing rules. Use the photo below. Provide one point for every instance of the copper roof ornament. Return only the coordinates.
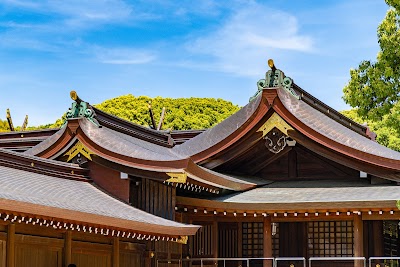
(81, 109)
(274, 78)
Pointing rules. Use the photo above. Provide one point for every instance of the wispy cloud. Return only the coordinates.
(251, 33)
(123, 56)
(78, 11)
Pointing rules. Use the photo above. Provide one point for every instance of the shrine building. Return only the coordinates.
(286, 177)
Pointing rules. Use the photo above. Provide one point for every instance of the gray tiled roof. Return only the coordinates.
(332, 129)
(46, 143)
(127, 145)
(219, 132)
(316, 191)
(33, 188)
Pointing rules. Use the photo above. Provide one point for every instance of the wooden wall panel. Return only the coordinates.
(91, 255)
(91, 259)
(153, 197)
(130, 259)
(37, 256)
(3, 247)
(34, 251)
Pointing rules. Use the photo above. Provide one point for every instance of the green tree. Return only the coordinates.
(386, 134)
(181, 113)
(4, 126)
(374, 87)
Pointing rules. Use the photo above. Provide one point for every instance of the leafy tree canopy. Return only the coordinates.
(386, 135)
(181, 113)
(4, 126)
(374, 87)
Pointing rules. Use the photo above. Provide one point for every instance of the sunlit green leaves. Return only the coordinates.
(374, 87)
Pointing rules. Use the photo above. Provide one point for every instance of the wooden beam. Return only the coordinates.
(11, 245)
(160, 123)
(67, 248)
(25, 124)
(358, 239)
(115, 255)
(153, 122)
(267, 245)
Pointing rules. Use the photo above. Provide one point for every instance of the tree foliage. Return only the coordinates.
(4, 126)
(181, 113)
(374, 87)
(386, 135)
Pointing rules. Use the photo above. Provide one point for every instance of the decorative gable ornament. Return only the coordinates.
(78, 150)
(275, 78)
(275, 133)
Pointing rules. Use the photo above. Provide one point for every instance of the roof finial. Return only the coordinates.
(271, 64)
(275, 78)
(74, 96)
(80, 109)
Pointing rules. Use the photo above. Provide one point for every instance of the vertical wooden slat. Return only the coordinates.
(173, 203)
(240, 240)
(164, 203)
(292, 164)
(115, 255)
(147, 199)
(358, 238)
(151, 197)
(215, 239)
(11, 245)
(67, 248)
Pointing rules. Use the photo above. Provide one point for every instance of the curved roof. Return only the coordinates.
(296, 196)
(79, 202)
(219, 132)
(333, 130)
(127, 145)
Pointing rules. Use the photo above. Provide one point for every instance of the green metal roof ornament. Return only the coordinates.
(81, 109)
(275, 78)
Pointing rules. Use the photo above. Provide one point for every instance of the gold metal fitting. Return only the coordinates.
(74, 95)
(271, 64)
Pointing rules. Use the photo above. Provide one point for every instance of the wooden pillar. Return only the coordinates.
(215, 239)
(377, 238)
(115, 255)
(67, 248)
(358, 238)
(267, 243)
(11, 245)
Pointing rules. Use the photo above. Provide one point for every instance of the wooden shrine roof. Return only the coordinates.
(332, 129)
(30, 194)
(21, 141)
(285, 196)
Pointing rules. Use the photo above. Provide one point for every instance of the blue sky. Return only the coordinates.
(205, 48)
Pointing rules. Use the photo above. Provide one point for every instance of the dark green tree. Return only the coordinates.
(181, 113)
(374, 87)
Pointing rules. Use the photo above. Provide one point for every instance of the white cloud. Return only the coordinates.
(123, 56)
(252, 33)
(77, 12)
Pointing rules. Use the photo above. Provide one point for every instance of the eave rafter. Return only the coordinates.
(17, 212)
